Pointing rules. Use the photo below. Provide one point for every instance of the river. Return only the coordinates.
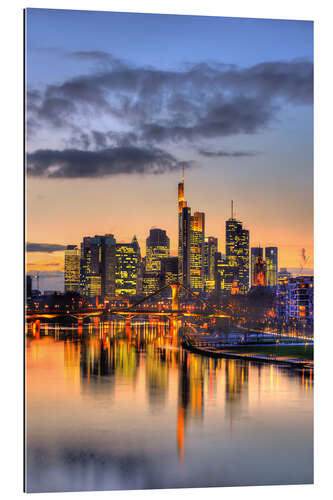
(115, 405)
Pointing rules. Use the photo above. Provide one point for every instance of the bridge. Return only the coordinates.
(207, 310)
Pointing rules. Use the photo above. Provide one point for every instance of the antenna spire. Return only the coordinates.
(232, 209)
(183, 174)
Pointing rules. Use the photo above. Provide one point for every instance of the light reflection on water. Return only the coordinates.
(115, 405)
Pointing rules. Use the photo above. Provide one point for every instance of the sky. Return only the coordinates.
(117, 103)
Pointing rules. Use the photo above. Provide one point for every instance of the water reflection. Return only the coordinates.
(126, 390)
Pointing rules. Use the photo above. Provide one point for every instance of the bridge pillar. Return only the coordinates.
(128, 328)
(36, 328)
(175, 297)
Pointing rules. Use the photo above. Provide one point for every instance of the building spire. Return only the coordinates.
(183, 175)
(232, 209)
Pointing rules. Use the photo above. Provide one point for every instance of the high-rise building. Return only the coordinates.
(184, 253)
(136, 246)
(237, 251)
(184, 228)
(260, 271)
(210, 248)
(169, 271)
(271, 258)
(90, 268)
(108, 266)
(126, 269)
(151, 282)
(72, 269)
(255, 252)
(157, 248)
(98, 265)
(225, 275)
(197, 238)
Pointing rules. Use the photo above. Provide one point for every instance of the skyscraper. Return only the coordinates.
(184, 228)
(90, 272)
(136, 247)
(169, 270)
(225, 273)
(271, 257)
(184, 251)
(126, 269)
(260, 271)
(108, 266)
(255, 252)
(237, 251)
(157, 248)
(197, 237)
(72, 269)
(210, 248)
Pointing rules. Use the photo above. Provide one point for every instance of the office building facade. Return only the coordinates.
(126, 273)
(197, 238)
(237, 252)
(72, 269)
(271, 258)
(157, 248)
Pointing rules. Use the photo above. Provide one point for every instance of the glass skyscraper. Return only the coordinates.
(237, 252)
(72, 269)
(157, 248)
(210, 248)
(271, 257)
(197, 237)
(126, 274)
(255, 252)
(91, 258)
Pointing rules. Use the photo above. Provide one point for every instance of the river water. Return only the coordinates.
(115, 405)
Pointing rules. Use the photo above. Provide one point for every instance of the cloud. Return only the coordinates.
(227, 154)
(154, 106)
(44, 247)
(77, 163)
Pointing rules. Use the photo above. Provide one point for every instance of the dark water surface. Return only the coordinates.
(114, 405)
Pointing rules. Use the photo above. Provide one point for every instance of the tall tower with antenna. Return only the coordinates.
(237, 250)
(184, 229)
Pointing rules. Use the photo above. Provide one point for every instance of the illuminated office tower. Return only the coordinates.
(226, 273)
(271, 258)
(237, 251)
(90, 266)
(184, 253)
(126, 269)
(210, 248)
(184, 220)
(108, 266)
(197, 237)
(157, 248)
(151, 282)
(259, 271)
(136, 246)
(169, 270)
(72, 269)
(255, 253)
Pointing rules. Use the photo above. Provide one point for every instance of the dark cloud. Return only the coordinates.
(227, 154)
(196, 102)
(75, 163)
(44, 247)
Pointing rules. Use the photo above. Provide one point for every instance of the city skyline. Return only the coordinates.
(80, 147)
(53, 250)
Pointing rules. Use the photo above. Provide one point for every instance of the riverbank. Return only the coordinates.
(286, 354)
